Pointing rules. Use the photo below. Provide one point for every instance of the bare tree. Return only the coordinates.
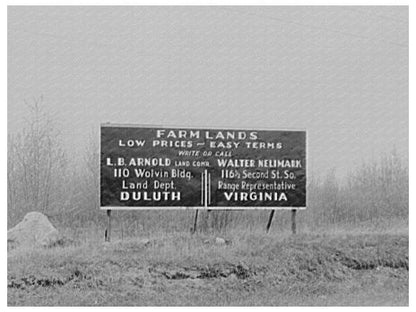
(36, 163)
(90, 176)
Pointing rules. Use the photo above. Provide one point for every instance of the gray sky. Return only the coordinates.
(341, 73)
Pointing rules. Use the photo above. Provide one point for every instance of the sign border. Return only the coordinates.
(108, 124)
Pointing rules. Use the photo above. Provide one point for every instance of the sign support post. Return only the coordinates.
(195, 222)
(293, 221)
(108, 230)
(269, 223)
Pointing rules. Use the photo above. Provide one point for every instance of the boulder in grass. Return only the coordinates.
(34, 230)
(220, 241)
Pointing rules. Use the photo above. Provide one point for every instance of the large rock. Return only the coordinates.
(34, 230)
(219, 241)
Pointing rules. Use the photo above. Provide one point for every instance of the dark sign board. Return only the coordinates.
(145, 167)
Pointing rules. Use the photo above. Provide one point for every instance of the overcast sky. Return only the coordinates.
(341, 73)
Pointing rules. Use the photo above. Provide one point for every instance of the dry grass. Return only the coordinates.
(180, 269)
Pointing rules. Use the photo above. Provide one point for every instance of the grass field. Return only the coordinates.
(369, 269)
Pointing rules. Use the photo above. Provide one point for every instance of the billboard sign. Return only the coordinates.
(149, 167)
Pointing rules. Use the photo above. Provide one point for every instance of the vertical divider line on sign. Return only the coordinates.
(209, 188)
(202, 188)
(206, 187)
